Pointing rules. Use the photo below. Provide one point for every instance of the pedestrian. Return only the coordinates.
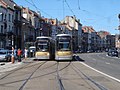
(19, 53)
(15, 54)
(26, 53)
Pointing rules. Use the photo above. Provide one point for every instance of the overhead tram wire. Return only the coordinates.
(78, 4)
(108, 18)
(89, 11)
(38, 8)
(79, 8)
(63, 8)
(34, 5)
(69, 7)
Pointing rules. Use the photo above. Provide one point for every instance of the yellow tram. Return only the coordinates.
(44, 48)
(63, 47)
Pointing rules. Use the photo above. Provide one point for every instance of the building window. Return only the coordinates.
(1, 16)
(9, 16)
(16, 15)
(12, 18)
(1, 29)
(5, 17)
(9, 28)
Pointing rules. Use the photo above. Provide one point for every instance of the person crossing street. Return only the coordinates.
(26, 53)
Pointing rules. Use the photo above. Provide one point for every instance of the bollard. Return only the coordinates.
(12, 58)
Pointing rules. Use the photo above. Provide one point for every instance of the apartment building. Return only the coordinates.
(110, 41)
(46, 26)
(3, 26)
(104, 39)
(30, 26)
(7, 22)
(91, 41)
(17, 26)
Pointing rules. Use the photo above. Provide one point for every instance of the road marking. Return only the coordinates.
(94, 59)
(100, 72)
(107, 63)
(101, 56)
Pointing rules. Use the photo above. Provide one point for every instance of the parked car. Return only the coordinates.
(5, 55)
(1, 48)
(112, 53)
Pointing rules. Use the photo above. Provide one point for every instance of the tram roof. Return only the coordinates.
(63, 35)
(43, 37)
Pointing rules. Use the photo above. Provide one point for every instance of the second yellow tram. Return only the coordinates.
(63, 47)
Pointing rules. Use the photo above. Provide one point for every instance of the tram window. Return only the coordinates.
(43, 47)
(64, 46)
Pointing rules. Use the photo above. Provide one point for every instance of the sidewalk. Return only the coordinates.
(7, 66)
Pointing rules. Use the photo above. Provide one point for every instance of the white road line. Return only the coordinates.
(107, 63)
(94, 59)
(101, 72)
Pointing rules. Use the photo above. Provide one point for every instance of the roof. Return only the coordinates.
(88, 29)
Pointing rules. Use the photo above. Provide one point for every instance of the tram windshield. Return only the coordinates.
(64, 46)
(42, 46)
(64, 43)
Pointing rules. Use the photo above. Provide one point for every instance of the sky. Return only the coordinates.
(100, 14)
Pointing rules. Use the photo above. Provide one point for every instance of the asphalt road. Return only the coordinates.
(53, 75)
(102, 62)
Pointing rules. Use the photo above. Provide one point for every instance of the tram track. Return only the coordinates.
(61, 87)
(77, 70)
(22, 86)
(59, 71)
(25, 80)
(60, 83)
(17, 69)
(30, 74)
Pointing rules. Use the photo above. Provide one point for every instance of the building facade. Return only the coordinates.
(91, 40)
(7, 24)
(30, 26)
(3, 26)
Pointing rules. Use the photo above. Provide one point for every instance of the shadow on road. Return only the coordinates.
(77, 58)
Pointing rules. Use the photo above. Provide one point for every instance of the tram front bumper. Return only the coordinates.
(64, 57)
(42, 55)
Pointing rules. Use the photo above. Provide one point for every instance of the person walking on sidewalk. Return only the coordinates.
(26, 53)
(19, 53)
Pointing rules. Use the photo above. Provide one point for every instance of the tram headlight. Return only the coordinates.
(48, 54)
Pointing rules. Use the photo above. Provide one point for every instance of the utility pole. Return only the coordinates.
(119, 37)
